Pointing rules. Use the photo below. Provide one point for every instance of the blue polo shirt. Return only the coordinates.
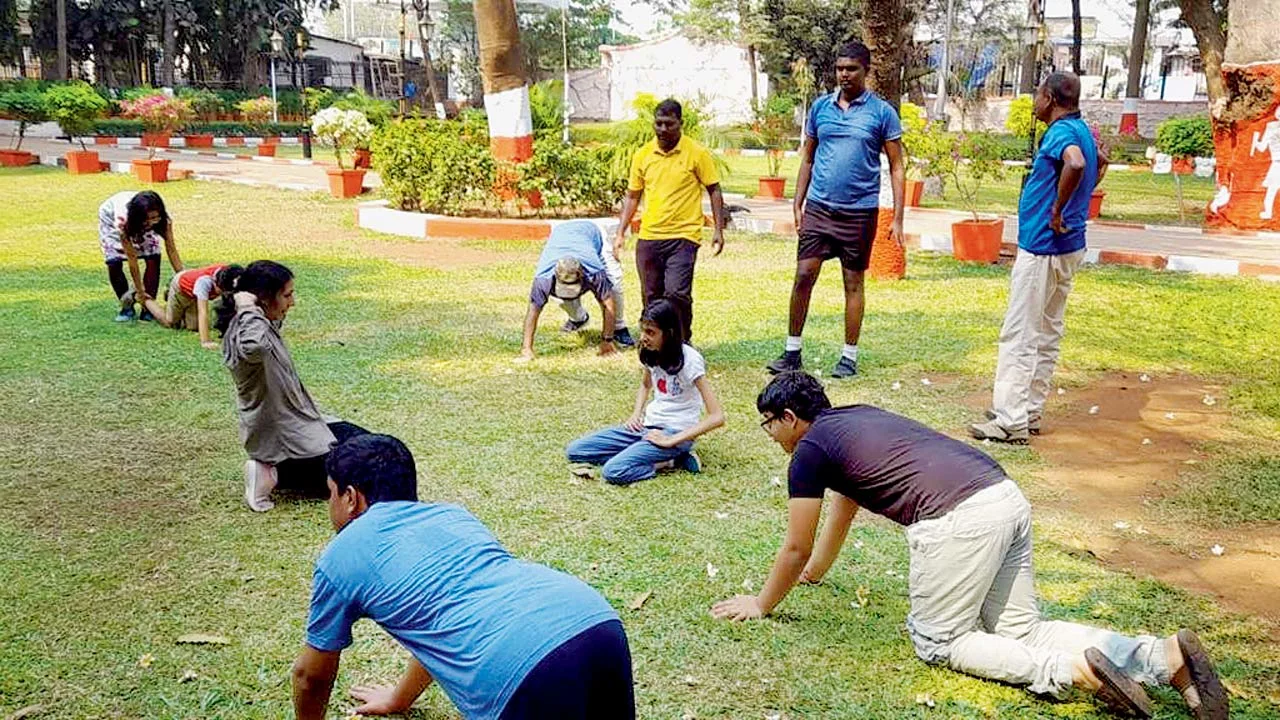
(1041, 191)
(846, 164)
(434, 579)
(580, 239)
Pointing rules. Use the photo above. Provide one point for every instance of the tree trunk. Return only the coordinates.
(751, 63)
(506, 90)
(168, 30)
(63, 67)
(882, 25)
(1138, 48)
(1076, 38)
(1206, 24)
(433, 85)
(1027, 83)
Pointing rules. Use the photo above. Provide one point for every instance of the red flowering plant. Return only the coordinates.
(158, 114)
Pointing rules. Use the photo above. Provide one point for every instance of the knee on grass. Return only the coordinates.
(625, 473)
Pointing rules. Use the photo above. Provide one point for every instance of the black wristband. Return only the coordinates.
(607, 339)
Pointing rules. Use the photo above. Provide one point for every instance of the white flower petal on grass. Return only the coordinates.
(690, 680)
(1209, 400)
(1095, 410)
(857, 544)
(1121, 525)
(776, 481)
(188, 676)
(146, 660)
(896, 385)
(720, 515)
(926, 382)
(1144, 378)
(925, 699)
(1217, 550)
(1062, 391)
(712, 571)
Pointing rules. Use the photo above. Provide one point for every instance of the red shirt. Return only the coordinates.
(187, 280)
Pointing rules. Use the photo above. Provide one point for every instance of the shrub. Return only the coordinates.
(968, 159)
(26, 104)
(75, 107)
(118, 127)
(378, 112)
(1185, 137)
(257, 111)
(774, 126)
(343, 129)
(1021, 115)
(317, 99)
(137, 93)
(913, 134)
(546, 107)
(158, 113)
(206, 104)
(571, 178)
(433, 165)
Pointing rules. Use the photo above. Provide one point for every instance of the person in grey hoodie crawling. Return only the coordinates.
(285, 435)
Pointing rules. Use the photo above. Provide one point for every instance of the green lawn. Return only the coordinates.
(1131, 196)
(123, 527)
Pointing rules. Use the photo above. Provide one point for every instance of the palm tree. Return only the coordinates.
(506, 89)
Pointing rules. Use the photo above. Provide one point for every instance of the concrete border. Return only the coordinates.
(378, 216)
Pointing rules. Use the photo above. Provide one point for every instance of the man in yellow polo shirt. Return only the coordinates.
(670, 172)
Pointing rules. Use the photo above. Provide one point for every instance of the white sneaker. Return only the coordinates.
(259, 481)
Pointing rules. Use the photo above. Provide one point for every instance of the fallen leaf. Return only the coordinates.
(777, 481)
(720, 515)
(712, 571)
(1210, 400)
(1121, 525)
(1144, 378)
(924, 699)
(146, 660)
(1217, 550)
(202, 639)
(690, 680)
(896, 385)
(1062, 391)
(639, 600)
(1094, 410)
(26, 712)
(188, 676)
(863, 595)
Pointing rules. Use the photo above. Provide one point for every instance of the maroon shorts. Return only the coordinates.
(844, 234)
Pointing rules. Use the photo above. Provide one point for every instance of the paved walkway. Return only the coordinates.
(928, 225)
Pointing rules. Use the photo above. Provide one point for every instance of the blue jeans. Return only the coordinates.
(626, 456)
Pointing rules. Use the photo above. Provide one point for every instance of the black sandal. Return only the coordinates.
(1120, 693)
(1198, 682)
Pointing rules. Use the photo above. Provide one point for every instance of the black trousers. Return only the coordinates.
(666, 271)
(307, 476)
(587, 678)
(150, 275)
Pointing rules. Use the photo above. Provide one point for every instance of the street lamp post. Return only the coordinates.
(277, 44)
(1033, 35)
(306, 122)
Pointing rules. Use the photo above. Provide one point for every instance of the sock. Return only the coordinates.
(793, 343)
(850, 352)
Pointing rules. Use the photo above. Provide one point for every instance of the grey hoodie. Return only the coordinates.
(278, 419)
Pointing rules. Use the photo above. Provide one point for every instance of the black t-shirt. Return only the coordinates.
(888, 464)
(544, 285)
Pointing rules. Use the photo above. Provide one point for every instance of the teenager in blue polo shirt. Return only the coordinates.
(1051, 245)
(504, 638)
(838, 198)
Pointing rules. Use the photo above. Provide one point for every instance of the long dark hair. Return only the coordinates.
(263, 278)
(141, 205)
(666, 316)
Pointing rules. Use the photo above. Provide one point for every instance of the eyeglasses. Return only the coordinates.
(765, 423)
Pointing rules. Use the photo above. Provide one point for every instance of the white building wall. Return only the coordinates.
(673, 66)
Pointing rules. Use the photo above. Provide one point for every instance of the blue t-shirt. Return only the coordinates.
(1036, 206)
(433, 577)
(576, 238)
(846, 164)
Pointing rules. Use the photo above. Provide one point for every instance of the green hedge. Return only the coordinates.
(1185, 137)
(133, 128)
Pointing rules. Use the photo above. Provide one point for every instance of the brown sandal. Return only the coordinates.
(1120, 693)
(1198, 682)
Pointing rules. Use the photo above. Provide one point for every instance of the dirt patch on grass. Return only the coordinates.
(1115, 448)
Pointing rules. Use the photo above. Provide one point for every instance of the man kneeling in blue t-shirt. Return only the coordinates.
(506, 639)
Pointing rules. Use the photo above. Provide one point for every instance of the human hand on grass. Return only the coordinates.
(378, 700)
(635, 423)
(209, 345)
(661, 439)
(738, 607)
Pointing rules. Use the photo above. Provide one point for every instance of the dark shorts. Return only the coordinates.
(307, 476)
(586, 678)
(844, 234)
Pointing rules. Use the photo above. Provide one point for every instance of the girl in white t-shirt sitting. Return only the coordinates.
(661, 435)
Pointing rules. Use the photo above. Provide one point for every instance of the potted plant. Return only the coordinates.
(257, 113)
(773, 126)
(160, 116)
(76, 108)
(342, 129)
(969, 160)
(377, 112)
(25, 104)
(1185, 139)
(1103, 145)
(205, 104)
(914, 141)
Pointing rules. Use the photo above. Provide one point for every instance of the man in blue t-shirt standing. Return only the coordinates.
(837, 201)
(1051, 227)
(504, 638)
(574, 260)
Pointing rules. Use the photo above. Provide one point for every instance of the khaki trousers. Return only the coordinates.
(1033, 327)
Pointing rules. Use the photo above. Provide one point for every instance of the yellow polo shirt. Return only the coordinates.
(672, 183)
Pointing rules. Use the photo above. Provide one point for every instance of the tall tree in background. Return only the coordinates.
(10, 37)
(883, 25)
(588, 28)
(728, 21)
(506, 89)
(809, 29)
(1077, 39)
(1137, 57)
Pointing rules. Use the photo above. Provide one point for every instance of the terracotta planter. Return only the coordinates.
(345, 183)
(977, 240)
(270, 140)
(158, 140)
(888, 258)
(16, 158)
(364, 159)
(151, 171)
(267, 150)
(1095, 203)
(235, 141)
(772, 188)
(199, 141)
(1184, 165)
(105, 140)
(83, 162)
(915, 191)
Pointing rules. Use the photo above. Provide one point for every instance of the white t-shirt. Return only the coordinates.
(677, 404)
(203, 288)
